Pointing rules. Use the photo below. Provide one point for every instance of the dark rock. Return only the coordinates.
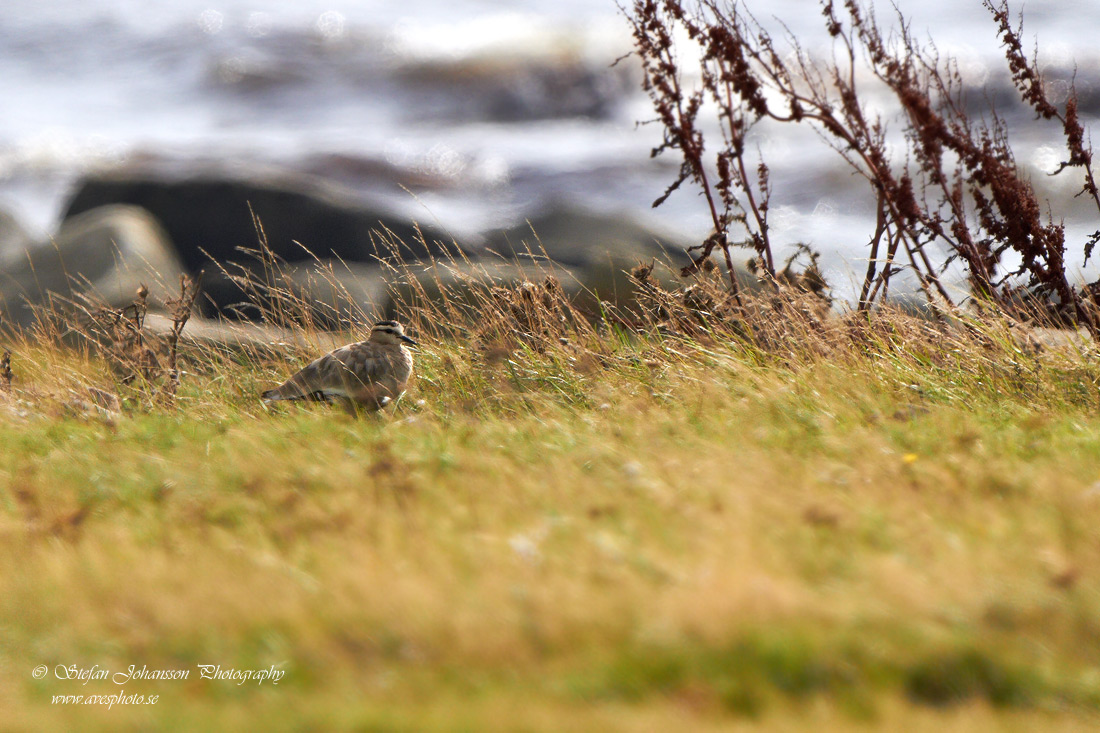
(576, 236)
(213, 214)
(333, 295)
(106, 253)
(600, 248)
(326, 294)
(461, 287)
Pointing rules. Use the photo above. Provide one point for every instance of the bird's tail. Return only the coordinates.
(290, 391)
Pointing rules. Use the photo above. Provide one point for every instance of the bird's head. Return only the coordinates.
(389, 332)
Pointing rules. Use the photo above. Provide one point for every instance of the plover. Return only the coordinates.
(369, 374)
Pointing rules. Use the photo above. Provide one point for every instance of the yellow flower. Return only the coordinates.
(909, 458)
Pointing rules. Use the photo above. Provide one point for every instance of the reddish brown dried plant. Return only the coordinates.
(959, 185)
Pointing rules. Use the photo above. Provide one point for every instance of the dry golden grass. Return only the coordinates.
(833, 522)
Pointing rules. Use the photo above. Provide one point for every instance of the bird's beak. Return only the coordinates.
(407, 340)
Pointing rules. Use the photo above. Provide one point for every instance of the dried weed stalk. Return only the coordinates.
(181, 308)
(119, 335)
(959, 185)
(5, 372)
(139, 357)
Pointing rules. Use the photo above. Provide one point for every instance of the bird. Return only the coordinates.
(365, 375)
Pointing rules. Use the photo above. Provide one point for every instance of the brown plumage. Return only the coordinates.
(368, 375)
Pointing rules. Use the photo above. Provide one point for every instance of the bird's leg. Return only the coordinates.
(353, 408)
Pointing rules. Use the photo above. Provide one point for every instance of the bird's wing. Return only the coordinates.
(357, 364)
(328, 375)
(305, 384)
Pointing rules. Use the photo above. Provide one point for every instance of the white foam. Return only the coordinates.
(512, 34)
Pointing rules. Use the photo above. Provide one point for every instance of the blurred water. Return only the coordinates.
(495, 106)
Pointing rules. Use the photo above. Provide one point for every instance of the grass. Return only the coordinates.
(628, 534)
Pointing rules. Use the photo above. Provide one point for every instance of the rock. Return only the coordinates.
(203, 338)
(204, 334)
(13, 237)
(209, 214)
(326, 294)
(600, 248)
(512, 88)
(107, 253)
(333, 295)
(572, 235)
(469, 283)
(212, 214)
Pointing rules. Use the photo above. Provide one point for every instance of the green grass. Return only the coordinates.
(654, 534)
